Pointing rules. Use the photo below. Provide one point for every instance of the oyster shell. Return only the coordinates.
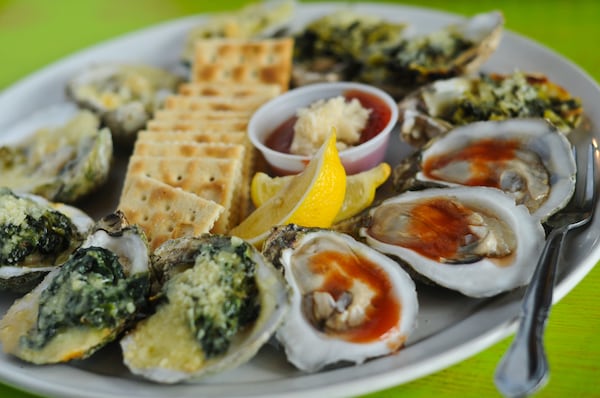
(35, 237)
(526, 158)
(349, 302)
(84, 304)
(398, 63)
(123, 96)
(220, 301)
(474, 240)
(436, 108)
(63, 161)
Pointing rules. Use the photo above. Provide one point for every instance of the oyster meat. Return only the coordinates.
(86, 302)
(436, 108)
(349, 302)
(123, 96)
(35, 237)
(219, 302)
(526, 158)
(63, 162)
(474, 240)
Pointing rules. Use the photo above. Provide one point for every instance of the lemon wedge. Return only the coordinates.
(360, 189)
(312, 198)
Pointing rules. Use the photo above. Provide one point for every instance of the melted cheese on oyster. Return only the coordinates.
(498, 97)
(220, 303)
(206, 306)
(61, 163)
(15, 210)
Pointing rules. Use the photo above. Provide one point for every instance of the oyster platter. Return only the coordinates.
(126, 265)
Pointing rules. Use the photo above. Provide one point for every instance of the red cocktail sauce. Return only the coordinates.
(281, 138)
(339, 271)
(485, 157)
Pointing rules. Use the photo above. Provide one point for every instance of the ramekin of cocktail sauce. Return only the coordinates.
(271, 128)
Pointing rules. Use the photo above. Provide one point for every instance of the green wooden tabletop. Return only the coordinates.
(34, 33)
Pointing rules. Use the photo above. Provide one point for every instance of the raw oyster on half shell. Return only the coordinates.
(474, 240)
(349, 303)
(526, 158)
(436, 108)
(86, 302)
(35, 237)
(219, 302)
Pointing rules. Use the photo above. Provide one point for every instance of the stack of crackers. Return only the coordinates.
(191, 167)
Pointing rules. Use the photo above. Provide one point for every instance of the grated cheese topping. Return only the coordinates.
(14, 210)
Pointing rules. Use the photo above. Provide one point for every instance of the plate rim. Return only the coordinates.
(447, 358)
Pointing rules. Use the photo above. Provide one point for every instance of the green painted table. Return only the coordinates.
(34, 33)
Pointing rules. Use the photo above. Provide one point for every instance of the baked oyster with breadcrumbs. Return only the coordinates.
(124, 96)
(337, 46)
(436, 108)
(390, 57)
(64, 157)
(85, 303)
(35, 237)
(220, 301)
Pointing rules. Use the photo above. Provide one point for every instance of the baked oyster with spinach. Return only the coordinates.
(86, 302)
(374, 51)
(220, 301)
(436, 108)
(338, 45)
(124, 96)
(35, 236)
(65, 156)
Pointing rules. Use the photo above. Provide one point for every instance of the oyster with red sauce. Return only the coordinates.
(349, 302)
(474, 240)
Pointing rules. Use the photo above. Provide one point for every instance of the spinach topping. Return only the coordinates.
(220, 293)
(346, 42)
(497, 98)
(90, 290)
(43, 232)
(429, 52)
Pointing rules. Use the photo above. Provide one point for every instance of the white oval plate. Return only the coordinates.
(450, 327)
